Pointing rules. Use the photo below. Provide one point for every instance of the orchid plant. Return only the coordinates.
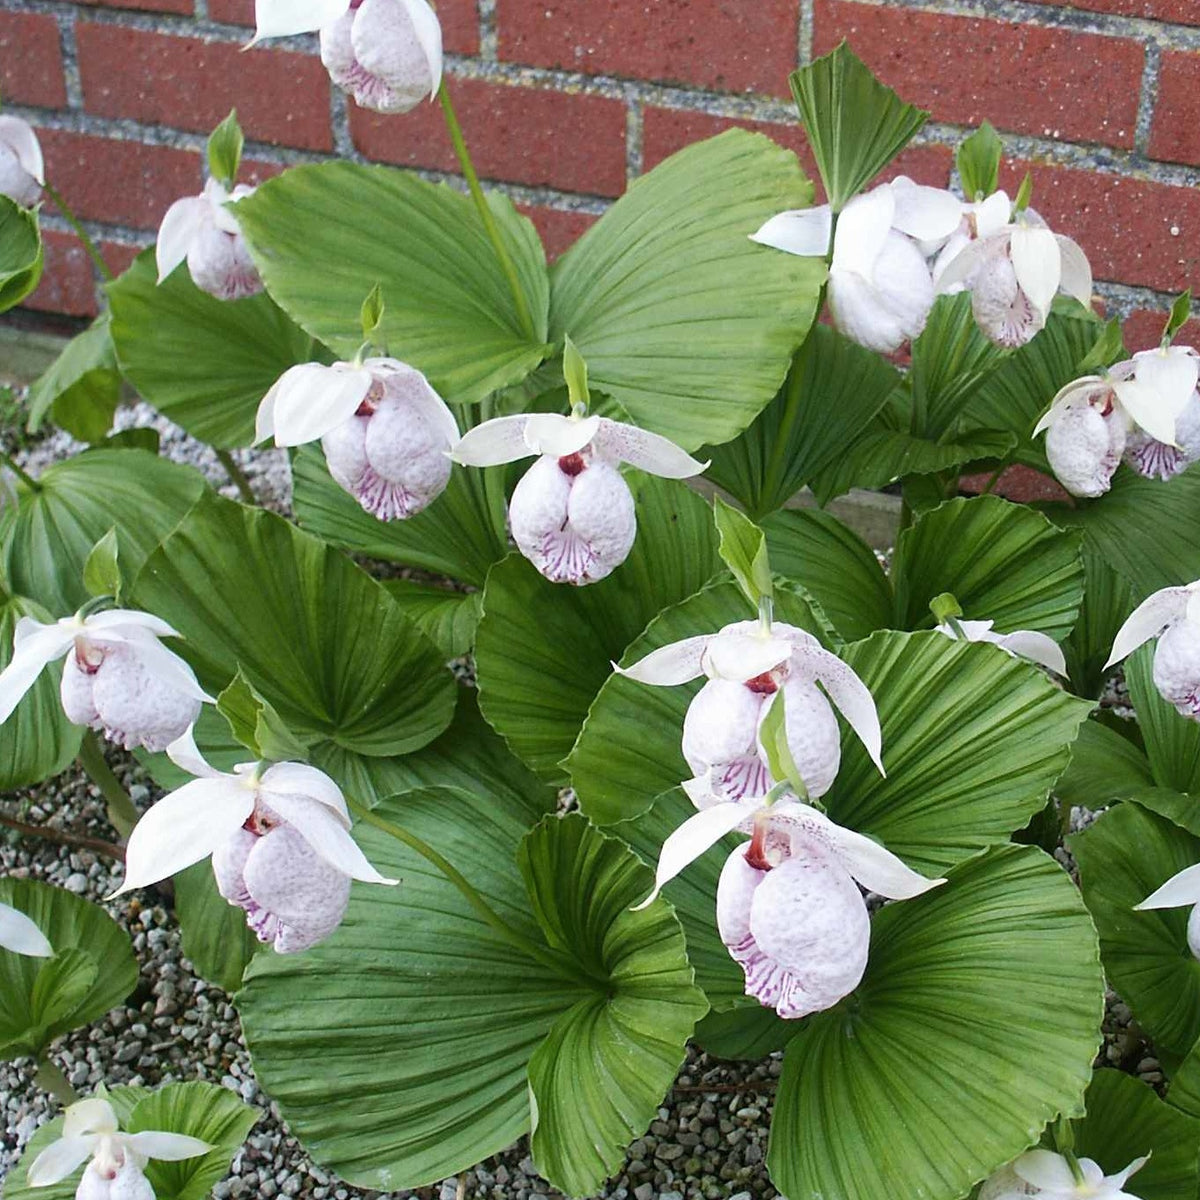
(824, 806)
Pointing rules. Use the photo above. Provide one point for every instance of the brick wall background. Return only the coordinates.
(564, 101)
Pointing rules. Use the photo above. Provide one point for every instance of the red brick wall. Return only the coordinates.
(564, 101)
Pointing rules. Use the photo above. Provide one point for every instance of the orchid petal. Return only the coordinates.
(862, 230)
(802, 231)
(1147, 408)
(166, 1147)
(742, 656)
(1119, 1179)
(501, 440)
(680, 662)
(928, 214)
(282, 18)
(183, 828)
(184, 753)
(19, 135)
(34, 646)
(992, 214)
(325, 833)
(1037, 647)
(962, 266)
(1046, 1170)
(1148, 620)
(876, 867)
(1170, 373)
(21, 935)
(94, 1115)
(428, 31)
(419, 398)
(552, 433)
(1182, 888)
(59, 1160)
(695, 836)
(1083, 386)
(299, 779)
(309, 400)
(850, 696)
(183, 221)
(1037, 262)
(1076, 278)
(1192, 607)
(128, 622)
(647, 451)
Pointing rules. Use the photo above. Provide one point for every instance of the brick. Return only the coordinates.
(666, 130)
(1132, 230)
(1022, 484)
(31, 66)
(1185, 12)
(726, 45)
(68, 285)
(1143, 329)
(120, 255)
(519, 135)
(119, 182)
(184, 82)
(459, 18)
(258, 170)
(964, 69)
(164, 6)
(558, 228)
(1175, 132)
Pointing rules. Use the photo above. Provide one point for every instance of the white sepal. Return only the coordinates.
(927, 214)
(319, 826)
(185, 754)
(283, 18)
(308, 400)
(647, 451)
(1148, 620)
(850, 696)
(802, 231)
(743, 656)
(1037, 262)
(428, 31)
(21, 935)
(1181, 889)
(299, 779)
(181, 225)
(60, 1159)
(556, 435)
(34, 646)
(680, 662)
(166, 1147)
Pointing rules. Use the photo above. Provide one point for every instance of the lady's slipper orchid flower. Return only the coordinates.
(22, 172)
(279, 840)
(1050, 1176)
(385, 432)
(90, 1130)
(880, 286)
(1173, 616)
(1180, 891)
(1014, 273)
(20, 935)
(1164, 381)
(1022, 643)
(386, 53)
(572, 515)
(980, 219)
(118, 678)
(789, 909)
(203, 231)
(745, 670)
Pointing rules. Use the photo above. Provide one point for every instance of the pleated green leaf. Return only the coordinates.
(1184, 1090)
(628, 751)
(682, 320)
(53, 529)
(1127, 854)
(833, 391)
(1003, 562)
(203, 362)
(543, 649)
(744, 1034)
(831, 562)
(1107, 601)
(82, 387)
(21, 257)
(447, 618)
(94, 968)
(1172, 740)
(314, 634)
(1126, 1120)
(976, 1023)
(324, 235)
(443, 1021)
(1105, 766)
(461, 534)
(215, 936)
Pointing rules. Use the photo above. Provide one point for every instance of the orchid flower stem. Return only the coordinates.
(994, 478)
(558, 964)
(121, 810)
(20, 472)
(93, 251)
(50, 1079)
(238, 476)
(486, 215)
(62, 838)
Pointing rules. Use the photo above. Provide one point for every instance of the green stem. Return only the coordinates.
(92, 249)
(485, 214)
(121, 810)
(20, 472)
(557, 963)
(50, 1079)
(906, 515)
(238, 476)
(995, 477)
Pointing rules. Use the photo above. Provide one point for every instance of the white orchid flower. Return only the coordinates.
(572, 515)
(385, 432)
(1173, 616)
(880, 286)
(91, 1130)
(279, 839)
(788, 906)
(980, 219)
(746, 667)
(1163, 387)
(1013, 274)
(203, 231)
(118, 678)
(1021, 643)
(1048, 1175)
(22, 171)
(20, 935)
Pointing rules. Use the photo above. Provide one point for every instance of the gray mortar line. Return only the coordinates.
(70, 57)
(1147, 97)
(633, 139)
(489, 32)
(804, 32)
(339, 121)
(201, 10)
